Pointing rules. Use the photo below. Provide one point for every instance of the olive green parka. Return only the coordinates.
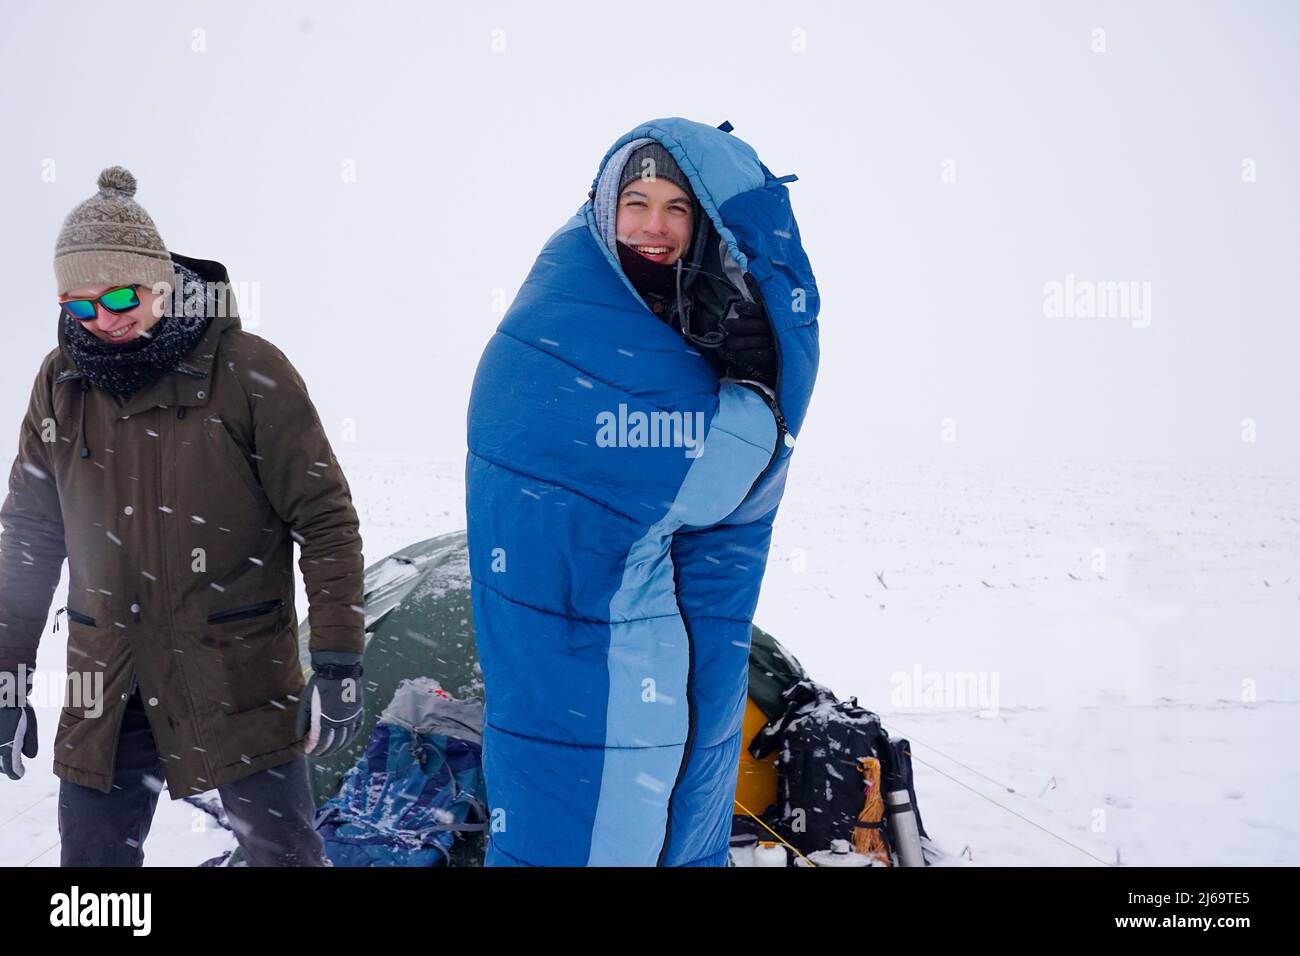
(177, 509)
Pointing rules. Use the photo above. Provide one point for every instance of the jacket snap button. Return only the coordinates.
(153, 701)
(128, 510)
(200, 394)
(135, 609)
(124, 696)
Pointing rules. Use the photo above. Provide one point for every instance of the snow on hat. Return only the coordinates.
(110, 240)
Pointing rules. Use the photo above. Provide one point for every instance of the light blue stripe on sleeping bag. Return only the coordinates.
(645, 733)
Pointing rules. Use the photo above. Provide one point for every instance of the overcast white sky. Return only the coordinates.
(476, 128)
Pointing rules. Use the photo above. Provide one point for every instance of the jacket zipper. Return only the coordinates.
(782, 429)
(199, 743)
(243, 613)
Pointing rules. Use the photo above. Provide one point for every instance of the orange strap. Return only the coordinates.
(870, 840)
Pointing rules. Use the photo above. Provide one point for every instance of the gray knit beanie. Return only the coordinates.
(110, 240)
(652, 161)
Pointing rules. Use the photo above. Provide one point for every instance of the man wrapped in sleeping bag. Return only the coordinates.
(630, 428)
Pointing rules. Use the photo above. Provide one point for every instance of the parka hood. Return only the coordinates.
(189, 383)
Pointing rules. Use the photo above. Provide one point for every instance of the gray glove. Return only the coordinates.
(17, 732)
(333, 703)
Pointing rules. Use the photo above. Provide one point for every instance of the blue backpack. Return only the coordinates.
(418, 785)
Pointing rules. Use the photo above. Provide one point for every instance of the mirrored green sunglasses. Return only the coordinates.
(118, 300)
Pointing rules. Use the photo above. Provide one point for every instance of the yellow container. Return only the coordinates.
(756, 782)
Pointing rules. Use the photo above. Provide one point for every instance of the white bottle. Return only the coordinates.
(768, 853)
(840, 854)
(743, 854)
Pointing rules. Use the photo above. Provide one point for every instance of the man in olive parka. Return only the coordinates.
(173, 458)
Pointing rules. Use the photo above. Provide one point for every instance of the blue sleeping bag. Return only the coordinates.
(620, 503)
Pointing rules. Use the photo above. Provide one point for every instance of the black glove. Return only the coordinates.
(748, 346)
(17, 733)
(333, 703)
(735, 333)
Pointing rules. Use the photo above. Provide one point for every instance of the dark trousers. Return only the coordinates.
(271, 811)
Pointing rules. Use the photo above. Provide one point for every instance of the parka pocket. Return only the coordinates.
(257, 655)
(79, 618)
(242, 613)
(97, 666)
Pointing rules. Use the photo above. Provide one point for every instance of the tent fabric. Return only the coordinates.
(772, 669)
(615, 581)
(418, 622)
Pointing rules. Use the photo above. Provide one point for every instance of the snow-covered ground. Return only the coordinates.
(1093, 662)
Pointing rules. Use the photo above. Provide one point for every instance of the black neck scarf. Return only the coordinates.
(646, 275)
(126, 369)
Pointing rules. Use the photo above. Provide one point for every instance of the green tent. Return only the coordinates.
(419, 622)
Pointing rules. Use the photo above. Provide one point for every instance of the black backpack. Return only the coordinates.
(820, 790)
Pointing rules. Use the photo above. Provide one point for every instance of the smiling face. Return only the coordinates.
(655, 217)
(118, 328)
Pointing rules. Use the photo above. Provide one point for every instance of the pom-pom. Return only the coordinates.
(117, 179)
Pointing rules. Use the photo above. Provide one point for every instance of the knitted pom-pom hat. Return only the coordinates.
(110, 240)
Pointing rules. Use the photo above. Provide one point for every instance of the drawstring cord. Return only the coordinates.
(709, 340)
